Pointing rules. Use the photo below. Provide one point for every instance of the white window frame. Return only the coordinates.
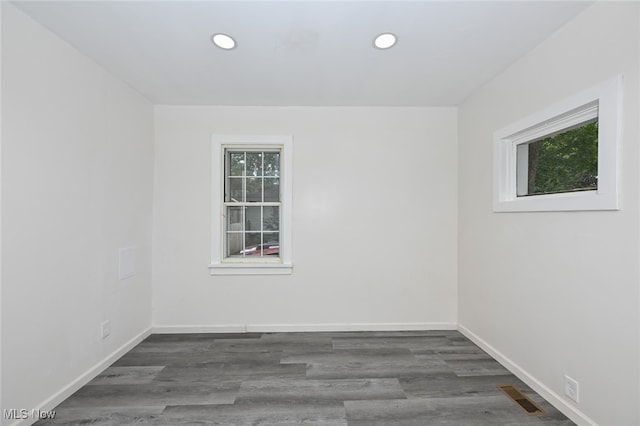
(602, 101)
(281, 265)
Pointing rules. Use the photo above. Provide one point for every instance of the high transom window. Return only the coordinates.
(562, 158)
(566, 161)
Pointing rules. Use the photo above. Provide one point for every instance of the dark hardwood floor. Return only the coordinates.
(353, 378)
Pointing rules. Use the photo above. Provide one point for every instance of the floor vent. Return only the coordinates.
(527, 405)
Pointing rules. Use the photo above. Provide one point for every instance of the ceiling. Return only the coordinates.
(298, 53)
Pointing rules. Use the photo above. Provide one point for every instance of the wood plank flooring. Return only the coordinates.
(329, 379)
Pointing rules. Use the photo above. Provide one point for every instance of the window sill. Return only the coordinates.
(251, 269)
(564, 201)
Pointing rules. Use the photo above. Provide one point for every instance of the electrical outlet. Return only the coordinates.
(571, 388)
(106, 329)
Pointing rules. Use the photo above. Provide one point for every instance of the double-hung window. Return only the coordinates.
(251, 205)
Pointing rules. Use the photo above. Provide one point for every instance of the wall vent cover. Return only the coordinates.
(527, 405)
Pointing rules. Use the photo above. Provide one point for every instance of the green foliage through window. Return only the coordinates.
(564, 162)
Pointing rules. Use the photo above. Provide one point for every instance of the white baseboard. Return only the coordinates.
(552, 397)
(85, 378)
(351, 327)
(181, 329)
(266, 328)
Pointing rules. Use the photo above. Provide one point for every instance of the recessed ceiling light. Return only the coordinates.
(223, 41)
(385, 40)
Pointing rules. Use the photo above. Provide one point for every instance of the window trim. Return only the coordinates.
(283, 265)
(560, 116)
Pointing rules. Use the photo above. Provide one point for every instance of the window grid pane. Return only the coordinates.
(252, 231)
(249, 179)
(252, 200)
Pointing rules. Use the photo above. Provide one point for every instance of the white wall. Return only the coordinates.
(374, 220)
(1, 9)
(76, 185)
(557, 293)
